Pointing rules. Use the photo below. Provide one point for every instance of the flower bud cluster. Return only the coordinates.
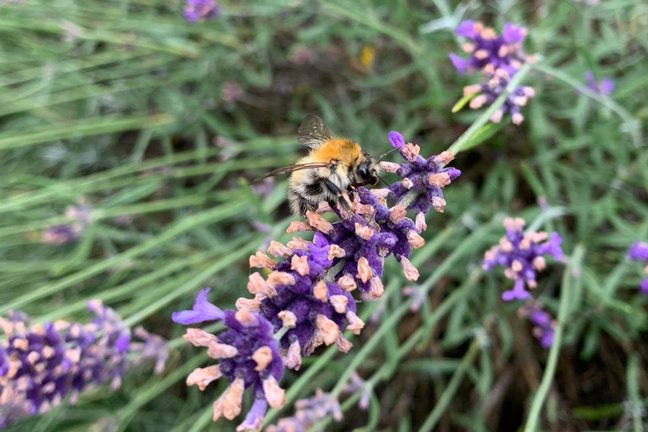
(41, 364)
(496, 58)
(639, 252)
(303, 290)
(522, 254)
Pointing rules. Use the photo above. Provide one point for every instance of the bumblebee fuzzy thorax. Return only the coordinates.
(334, 167)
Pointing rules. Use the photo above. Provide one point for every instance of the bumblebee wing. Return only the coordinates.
(313, 131)
(290, 169)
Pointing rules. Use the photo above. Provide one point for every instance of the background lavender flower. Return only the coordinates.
(249, 358)
(522, 255)
(639, 252)
(78, 217)
(308, 412)
(487, 92)
(543, 323)
(497, 58)
(42, 364)
(197, 10)
(604, 87)
(487, 51)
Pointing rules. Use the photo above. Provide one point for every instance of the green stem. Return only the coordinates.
(632, 124)
(453, 385)
(571, 276)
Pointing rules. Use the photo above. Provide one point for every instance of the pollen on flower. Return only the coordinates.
(262, 357)
(347, 282)
(300, 264)
(298, 226)
(202, 377)
(410, 272)
(320, 291)
(261, 260)
(288, 318)
(279, 250)
(364, 270)
(277, 278)
(228, 405)
(318, 222)
(390, 167)
(339, 303)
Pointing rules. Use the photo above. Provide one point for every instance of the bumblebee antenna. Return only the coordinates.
(386, 153)
(382, 180)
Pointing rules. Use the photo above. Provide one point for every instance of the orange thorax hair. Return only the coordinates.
(342, 149)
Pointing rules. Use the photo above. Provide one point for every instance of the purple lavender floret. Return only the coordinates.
(197, 10)
(604, 87)
(639, 252)
(543, 323)
(522, 255)
(296, 295)
(486, 93)
(425, 178)
(249, 358)
(497, 58)
(308, 412)
(78, 217)
(488, 51)
(42, 364)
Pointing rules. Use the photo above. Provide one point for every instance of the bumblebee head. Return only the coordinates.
(366, 172)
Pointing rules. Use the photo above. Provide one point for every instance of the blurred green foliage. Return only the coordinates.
(160, 124)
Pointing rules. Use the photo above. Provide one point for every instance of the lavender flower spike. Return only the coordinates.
(423, 179)
(248, 358)
(197, 10)
(488, 51)
(522, 255)
(543, 323)
(78, 217)
(604, 87)
(639, 252)
(308, 412)
(497, 58)
(41, 364)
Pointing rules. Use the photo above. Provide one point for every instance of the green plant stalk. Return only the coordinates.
(633, 125)
(445, 399)
(474, 128)
(89, 127)
(571, 275)
(148, 393)
(214, 215)
(633, 378)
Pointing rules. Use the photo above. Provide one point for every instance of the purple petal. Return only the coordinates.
(202, 311)
(606, 86)
(396, 140)
(590, 82)
(453, 173)
(638, 251)
(460, 64)
(512, 33)
(466, 29)
(255, 416)
(643, 286)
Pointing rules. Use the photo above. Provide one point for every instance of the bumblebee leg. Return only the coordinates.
(340, 199)
(351, 192)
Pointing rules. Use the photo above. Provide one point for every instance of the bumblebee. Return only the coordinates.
(334, 165)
